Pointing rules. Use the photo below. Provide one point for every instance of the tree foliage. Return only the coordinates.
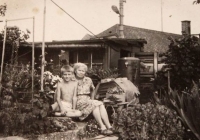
(3, 9)
(183, 60)
(14, 35)
(196, 2)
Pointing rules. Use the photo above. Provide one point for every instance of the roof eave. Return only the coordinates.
(88, 43)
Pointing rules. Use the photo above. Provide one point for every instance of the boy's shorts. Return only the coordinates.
(66, 106)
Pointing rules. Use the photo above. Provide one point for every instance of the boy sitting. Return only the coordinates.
(66, 94)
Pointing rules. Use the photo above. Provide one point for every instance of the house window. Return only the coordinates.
(97, 58)
(92, 58)
(83, 56)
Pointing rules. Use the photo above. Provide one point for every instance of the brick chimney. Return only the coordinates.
(186, 30)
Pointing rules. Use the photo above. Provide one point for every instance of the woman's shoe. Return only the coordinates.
(113, 130)
(106, 132)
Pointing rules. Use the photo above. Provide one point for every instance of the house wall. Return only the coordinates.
(104, 57)
(116, 54)
(137, 49)
(89, 56)
(52, 54)
(24, 55)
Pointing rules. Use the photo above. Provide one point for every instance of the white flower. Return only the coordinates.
(55, 79)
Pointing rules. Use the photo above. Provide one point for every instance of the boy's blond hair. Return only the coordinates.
(66, 68)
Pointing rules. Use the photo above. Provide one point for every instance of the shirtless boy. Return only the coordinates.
(66, 94)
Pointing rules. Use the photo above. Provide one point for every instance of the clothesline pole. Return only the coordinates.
(3, 53)
(33, 58)
(43, 48)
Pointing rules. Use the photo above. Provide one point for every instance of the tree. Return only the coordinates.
(13, 36)
(196, 2)
(3, 9)
(183, 60)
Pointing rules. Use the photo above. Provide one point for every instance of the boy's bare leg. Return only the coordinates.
(73, 113)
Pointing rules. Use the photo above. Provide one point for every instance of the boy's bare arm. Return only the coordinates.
(92, 90)
(74, 100)
(58, 98)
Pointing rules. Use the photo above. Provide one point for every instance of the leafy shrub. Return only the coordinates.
(31, 121)
(186, 104)
(24, 121)
(183, 60)
(148, 122)
(19, 121)
(18, 79)
(90, 130)
(102, 73)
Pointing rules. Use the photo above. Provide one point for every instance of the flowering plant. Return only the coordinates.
(50, 82)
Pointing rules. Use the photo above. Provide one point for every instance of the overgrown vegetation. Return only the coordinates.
(148, 122)
(187, 105)
(183, 60)
(90, 130)
(103, 73)
(25, 122)
(177, 84)
(31, 121)
(18, 79)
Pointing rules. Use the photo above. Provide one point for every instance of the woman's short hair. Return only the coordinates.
(78, 65)
(66, 68)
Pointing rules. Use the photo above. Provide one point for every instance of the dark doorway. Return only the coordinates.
(124, 53)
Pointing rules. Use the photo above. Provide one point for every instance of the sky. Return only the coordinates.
(97, 16)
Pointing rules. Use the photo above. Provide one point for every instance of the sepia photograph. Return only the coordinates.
(99, 70)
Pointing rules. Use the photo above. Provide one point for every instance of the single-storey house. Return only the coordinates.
(105, 48)
(103, 52)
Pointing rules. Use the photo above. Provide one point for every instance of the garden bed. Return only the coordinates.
(68, 135)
